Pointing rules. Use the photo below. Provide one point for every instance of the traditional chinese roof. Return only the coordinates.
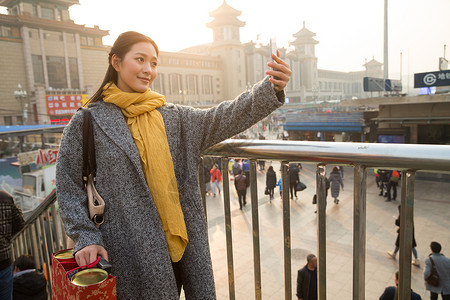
(225, 15)
(31, 21)
(372, 63)
(304, 36)
(67, 3)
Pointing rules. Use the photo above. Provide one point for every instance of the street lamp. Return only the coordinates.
(21, 96)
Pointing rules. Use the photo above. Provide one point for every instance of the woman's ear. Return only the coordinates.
(115, 62)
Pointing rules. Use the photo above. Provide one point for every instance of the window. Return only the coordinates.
(90, 41)
(83, 40)
(70, 38)
(34, 33)
(35, 13)
(191, 82)
(47, 13)
(58, 15)
(73, 68)
(56, 72)
(7, 120)
(207, 82)
(175, 84)
(53, 35)
(38, 69)
(158, 84)
(6, 31)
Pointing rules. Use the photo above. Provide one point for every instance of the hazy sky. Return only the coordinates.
(348, 31)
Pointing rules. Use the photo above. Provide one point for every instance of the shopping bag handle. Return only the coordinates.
(74, 271)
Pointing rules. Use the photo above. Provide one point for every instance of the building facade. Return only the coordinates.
(59, 65)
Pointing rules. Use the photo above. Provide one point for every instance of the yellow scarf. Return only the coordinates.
(147, 128)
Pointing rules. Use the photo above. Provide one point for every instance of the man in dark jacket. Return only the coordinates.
(240, 183)
(391, 292)
(293, 179)
(307, 279)
(29, 284)
(11, 222)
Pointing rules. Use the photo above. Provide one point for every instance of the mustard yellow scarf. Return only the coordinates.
(147, 128)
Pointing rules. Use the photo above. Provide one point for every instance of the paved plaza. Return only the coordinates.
(431, 221)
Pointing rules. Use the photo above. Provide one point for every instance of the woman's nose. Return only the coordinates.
(146, 68)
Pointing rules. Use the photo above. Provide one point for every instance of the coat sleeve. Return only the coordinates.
(299, 284)
(206, 127)
(427, 271)
(17, 220)
(70, 191)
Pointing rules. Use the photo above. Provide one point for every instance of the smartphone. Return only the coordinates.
(273, 46)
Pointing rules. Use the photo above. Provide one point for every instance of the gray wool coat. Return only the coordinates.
(443, 268)
(132, 232)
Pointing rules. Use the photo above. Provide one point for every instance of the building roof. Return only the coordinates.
(304, 36)
(10, 3)
(225, 15)
(372, 63)
(31, 21)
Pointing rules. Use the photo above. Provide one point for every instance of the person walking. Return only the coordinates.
(393, 254)
(271, 181)
(246, 170)
(147, 152)
(307, 279)
(393, 179)
(240, 183)
(442, 264)
(391, 292)
(216, 178)
(11, 223)
(336, 184)
(294, 179)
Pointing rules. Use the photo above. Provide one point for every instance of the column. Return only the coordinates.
(79, 61)
(66, 61)
(44, 57)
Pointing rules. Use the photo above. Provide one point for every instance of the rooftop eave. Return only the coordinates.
(225, 9)
(225, 21)
(68, 3)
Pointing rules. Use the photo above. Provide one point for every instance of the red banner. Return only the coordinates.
(46, 157)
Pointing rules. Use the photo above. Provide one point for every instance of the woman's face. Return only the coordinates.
(137, 70)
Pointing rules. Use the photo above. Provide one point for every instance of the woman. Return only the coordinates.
(271, 181)
(147, 154)
(216, 178)
(336, 184)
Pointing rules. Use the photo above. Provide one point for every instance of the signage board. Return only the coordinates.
(440, 78)
(372, 84)
(63, 105)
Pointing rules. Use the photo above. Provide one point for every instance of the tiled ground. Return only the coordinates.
(432, 222)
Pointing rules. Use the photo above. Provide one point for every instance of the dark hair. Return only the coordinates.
(270, 169)
(396, 275)
(25, 262)
(309, 258)
(435, 247)
(335, 169)
(120, 48)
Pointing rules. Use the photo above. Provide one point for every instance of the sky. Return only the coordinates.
(348, 31)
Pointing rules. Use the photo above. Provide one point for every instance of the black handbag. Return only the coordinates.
(266, 191)
(300, 186)
(433, 278)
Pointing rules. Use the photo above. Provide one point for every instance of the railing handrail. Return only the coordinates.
(390, 156)
(45, 205)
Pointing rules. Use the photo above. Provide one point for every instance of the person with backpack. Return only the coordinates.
(442, 264)
(394, 178)
(240, 183)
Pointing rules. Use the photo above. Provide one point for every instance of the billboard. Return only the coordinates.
(372, 84)
(63, 105)
(440, 78)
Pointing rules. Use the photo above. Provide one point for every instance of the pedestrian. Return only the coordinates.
(393, 179)
(442, 264)
(216, 178)
(294, 179)
(336, 184)
(391, 292)
(207, 180)
(236, 167)
(280, 185)
(271, 181)
(383, 180)
(147, 150)
(307, 279)
(393, 254)
(11, 223)
(377, 177)
(246, 170)
(327, 186)
(29, 283)
(240, 183)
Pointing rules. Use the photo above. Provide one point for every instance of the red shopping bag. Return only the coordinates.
(63, 288)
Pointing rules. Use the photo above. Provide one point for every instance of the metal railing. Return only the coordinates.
(44, 234)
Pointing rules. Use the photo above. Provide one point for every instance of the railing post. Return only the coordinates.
(321, 233)
(406, 234)
(201, 177)
(255, 225)
(229, 237)
(286, 232)
(359, 232)
(34, 244)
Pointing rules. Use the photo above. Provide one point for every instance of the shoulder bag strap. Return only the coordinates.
(89, 162)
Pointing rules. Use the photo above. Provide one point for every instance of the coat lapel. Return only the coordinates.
(111, 120)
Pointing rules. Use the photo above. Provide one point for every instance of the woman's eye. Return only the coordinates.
(155, 64)
(140, 59)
